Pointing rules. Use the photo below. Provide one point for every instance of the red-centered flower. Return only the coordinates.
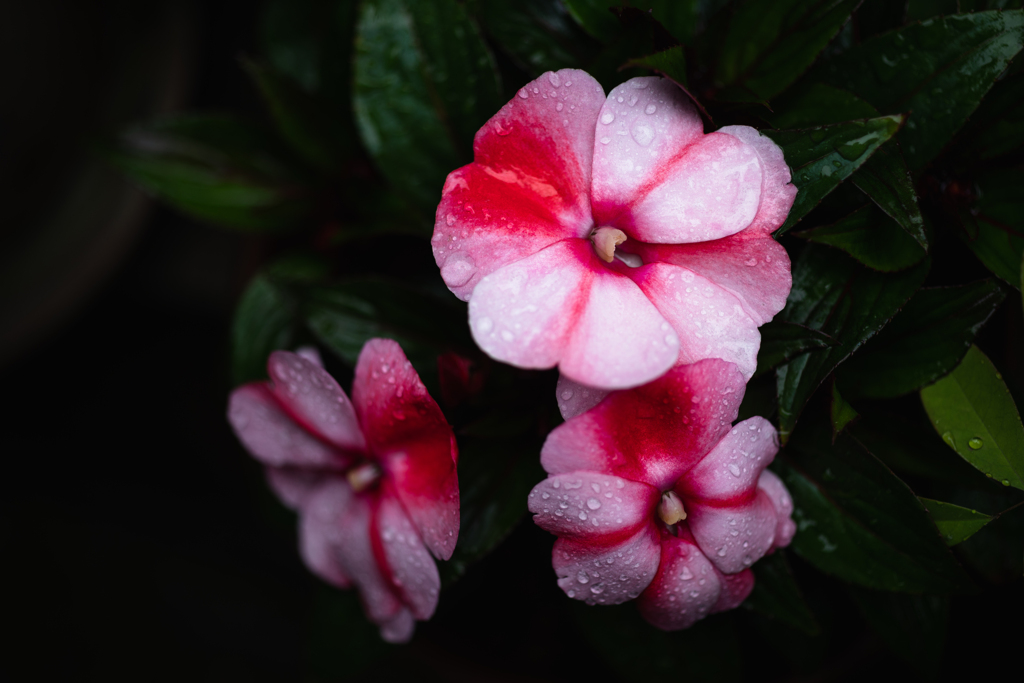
(654, 495)
(373, 479)
(611, 237)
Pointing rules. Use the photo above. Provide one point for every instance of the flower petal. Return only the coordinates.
(734, 536)
(729, 474)
(686, 588)
(644, 124)
(412, 570)
(776, 491)
(528, 185)
(653, 433)
(750, 265)
(709, 321)
(596, 508)
(398, 629)
(272, 436)
(408, 433)
(319, 536)
(777, 193)
(735, 589)
(293, 486)
(607, 574)
(575, 398)
(315, 400)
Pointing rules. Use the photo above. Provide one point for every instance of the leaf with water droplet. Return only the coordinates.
(956, 524)
(972, 402)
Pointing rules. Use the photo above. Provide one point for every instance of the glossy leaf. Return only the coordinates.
(817, 105)
(956, 524)
(670, 63)
(424, 84)
(776, 595)
(912, 626)
(216, 169)
(539, 35)
(781, 341)
(858, 522)
(885, 178)
(910, 447)
(972, 410)
(997, 127)
(265, 321)
(596, 17)
(832, 293)
(841, 412)
(995, 228)
(822, 157)
(872, 238)
(923, 342)
(939, 70)
(769, 44)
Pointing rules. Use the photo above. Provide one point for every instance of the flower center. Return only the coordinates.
(363, 476)
(671, 509)
(605, 240)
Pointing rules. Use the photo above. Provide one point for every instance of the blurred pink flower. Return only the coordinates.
(653, 495)
(611, 237)
(373, 480)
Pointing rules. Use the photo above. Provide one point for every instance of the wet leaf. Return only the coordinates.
(539, 35)
(885, 178)
(776, 595)
(872, 238)
(841, 412)
(956, 524)
(670, 63)
(995, 227)
(596, 18)
(971, 408)
(781, 341)
(824, 156)
(923, 342)
(912, 626)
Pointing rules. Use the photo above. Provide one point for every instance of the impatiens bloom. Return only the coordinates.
(613, 238)
(372, 479)
(654, 495)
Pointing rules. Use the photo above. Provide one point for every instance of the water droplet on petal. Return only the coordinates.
(607, 118)
(593, 503)
(650, 109)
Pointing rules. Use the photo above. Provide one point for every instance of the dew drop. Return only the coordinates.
(735, 470)
(484, 325)
(554, 78)
(975, 443)
(593, 503)
(567, 394)
(607, 118)
(650, 109)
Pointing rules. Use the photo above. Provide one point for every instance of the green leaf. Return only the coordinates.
(670, 63)
(841, 412)
(424, 84)
(781, 341)
(871, 237)
(923, 342)
(938, 69)
(817, 105)
(885, 178)
(995, 226)
(216, 169)
(912, 626)
(910, 447)
(596, 18)
(997, 127)
(823, 157)
(769, 44)
(858, 522)
(850, 303)
(956, 524)
(539, 35)
(972, 410)
(777, 596)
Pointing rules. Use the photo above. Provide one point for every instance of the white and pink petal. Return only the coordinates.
(412, 571)
(773, 487)
(607, 574)
(734, 536)
(592, 507)
(685, 590)
(731, 471)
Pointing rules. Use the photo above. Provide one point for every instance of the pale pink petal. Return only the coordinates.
(407, 432)
(398, 629)
(653, 433)
(596, 507)
(736, 536)
(750, 264)
(413, 572)
(686, 588)
(777, 193)
(272, 436)
(729, 474)
(607, 574)
(709, 321)
(292, 485)
(735, 589)
(776, 491)
(575, 398)
(643, 126)
(528, 185)
(311, 354)
(315, 400)
(319, 532)
(620, 339)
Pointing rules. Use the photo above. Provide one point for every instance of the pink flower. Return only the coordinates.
(611, 237)
(654, 495)
(373, 480)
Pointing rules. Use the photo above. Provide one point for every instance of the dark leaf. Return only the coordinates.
(850, 303)
(871, 237)
(923, 342)
(817, 105)
(857, 521)
(938, 69)
(995, 227)
(972, 410)
(910, 447)
(781, 341)
(955, 523)
(912, 626)
(997, 127)
(539, 35)
(823, 157)
(769, 44)
(886, 179)
(924, 9)
(596, 17)
(670, 63)
(777, 596)
(424, 84)
(841, 412)
(216, 169)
